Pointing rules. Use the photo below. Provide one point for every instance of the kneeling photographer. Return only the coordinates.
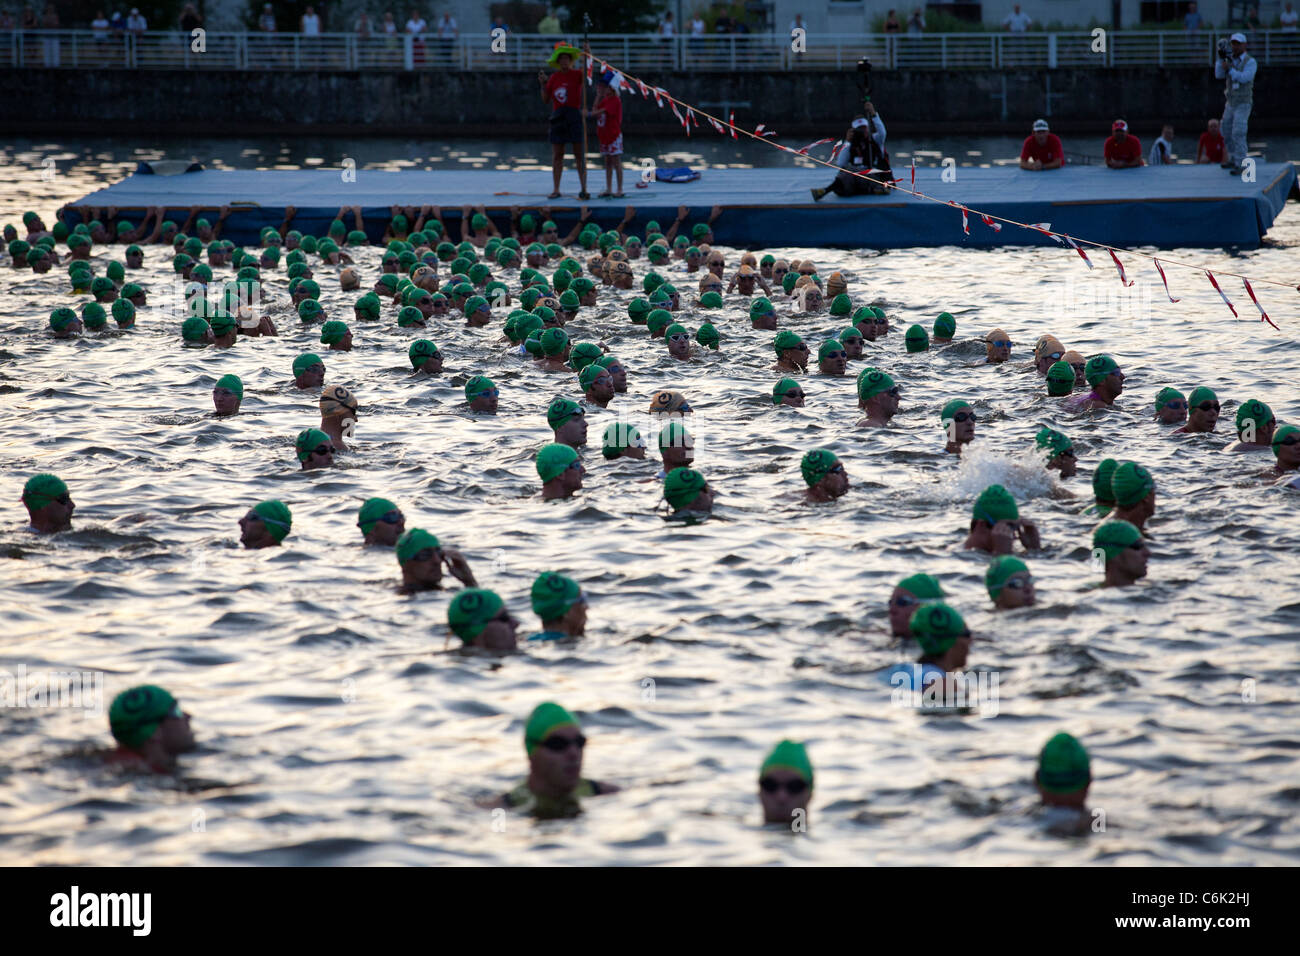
(864, 150)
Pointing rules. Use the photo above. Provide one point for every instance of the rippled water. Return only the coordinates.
(338, 725)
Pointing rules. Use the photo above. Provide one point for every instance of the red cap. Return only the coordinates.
(1119, 124)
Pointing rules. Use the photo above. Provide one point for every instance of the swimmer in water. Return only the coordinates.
(1104, 497)
(908, 595)
(266, 525)
(616, 371)
(49, 506)
(1256, 426)
(425, 357)
(555, 351)
(314, 449)
(621, 440)
(560, 471)
(66, 324)
(480, 619)
(687, 492)
(824, 475)
(852, 341)
(560, 603)
(945, 327)
(227, 395)
(308, 371)
(1125, 552)
(958, 420)
(1048, 350)
(878, 396)
(554, 786)
(1059, 450)
(150, 728)
(791, 352)
(568, 421)
(676, 448)
(482, 394)
(1009, 583)
(381, 522)
(746, 279)
(785, 786)
(1134, 491)
(943, 635)
(788, 392)
(597, 385)
(995, 524)
(997, 347)
(225, 330)
(1107, 381)
(1286, 449)
(336, 335)
(421, 557)
(762, 315)
(1063, 777)
(338, 414)
(832, 358)
(1202, 411)
(678, 338)
(1077, 362)
(1060, 379)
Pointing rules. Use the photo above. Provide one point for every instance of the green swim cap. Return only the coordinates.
(93, 316)
(411, 542)
(136, 714)
(1002, 570)
(841, 305)
(916, 339)
(816, 465)
(102, 285)
(356, 238)
(553, 459)
(420, 351)
(561, 410)
(232, 384)
(1130, 484)
(553, 341)
(657, 253)
(785, 339)
(1101, 479)
(476, 303)
(554, 250)
(708, 336)
(658, 320)
(1060, 379)
(682, 486)
(1281, 435)
(923, 587)
(699, 230)
(478, 221)
(309, 309)
(936, 627)
(477, 385)
(1167, 395)
(544, 720)
(42, 490)
(371, 511)
(661, 298)
(850, 334)
(828, 346)
(276, 516)
(996, 504)
(583, 354)
(1050, 440)
(409, 315)
(951, 409)
(781, 387)
(651, 282)
(61, 318)
(471, 610)
(945, 326)
(124, 313)
(338, 229)
(871, 382)
(788, 280)
(1200, 394)
(619, 436)
(117, 272)
(710, 300)
(553, 594)
(478, 273)
(561, 282)
(788, 755)
(528, 323)
(60, 231)
(308, 440)
(195, 329)
(676, 329)
(333, 331)
(1063, 766)
(1114, 536)
(305, 361)
(589, 374)
(760, 306)
(309, 244)
(1098, 367)
(367, 307)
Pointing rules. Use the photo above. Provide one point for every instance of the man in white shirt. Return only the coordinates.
(1237, 69)
(1162, 150)
(1016, 21)
(266, 22)
(666, 27)
(416, 25)
(1289, 18)
(136, 23)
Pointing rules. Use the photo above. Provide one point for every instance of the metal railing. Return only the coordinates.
(636, 53)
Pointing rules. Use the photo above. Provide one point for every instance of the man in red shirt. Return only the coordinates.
(1122, 149)
(563, 91)
(609, 130)
(1210, 147)
(1042, 149)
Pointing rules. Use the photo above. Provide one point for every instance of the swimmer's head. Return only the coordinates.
(1060, 379)
(937, 628)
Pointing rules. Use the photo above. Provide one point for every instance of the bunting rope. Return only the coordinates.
(763, 135)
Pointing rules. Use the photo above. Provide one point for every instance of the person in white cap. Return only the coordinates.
(135, 23)
(1042, 149)
(1237, 69)
(863, 150)
(1123, 150)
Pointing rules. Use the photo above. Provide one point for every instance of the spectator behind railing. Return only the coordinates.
(362, 27)
(136, 23)
(916, 22)
(448, 30)
(1017, 22)
(7, 20)
(99, 26)
(389, 26)
(1289, 18)
(51, 22)
(266, 22)
(189, 20)
(549, 25)
(309, 22)
(891, 23)
(1192, 21)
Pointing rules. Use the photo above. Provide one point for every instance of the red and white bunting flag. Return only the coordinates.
(1230, 306)
(820, 142)
(731, 121)
(1263, 316)
(660, 93)
(718, 126)
(965, 225)
(1082, 255)
(589, 66)
(761, 131)
(1165, 281)
(913, 174)
(690, 115)
(1046, 229)
(835, 150)
(1120, 266)
(645, 93)
(991, 223)
(675, 113)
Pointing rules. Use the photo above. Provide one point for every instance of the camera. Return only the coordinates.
(1225, 50)
(864, 76)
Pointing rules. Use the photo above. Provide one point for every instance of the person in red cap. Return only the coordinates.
(563, 91)
(1123, 150)
(1042, 149)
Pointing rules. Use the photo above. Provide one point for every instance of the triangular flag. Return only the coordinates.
(1120, 266)
(1165, 281)
(1230, 306)
(1263, 316)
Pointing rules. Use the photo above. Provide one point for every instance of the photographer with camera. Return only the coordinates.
(1237, 68)
(863, 150)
